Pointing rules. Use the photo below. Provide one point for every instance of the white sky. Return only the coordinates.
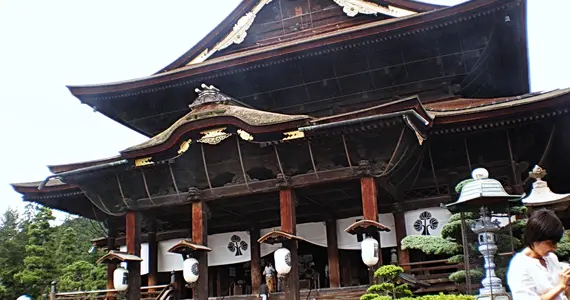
(45, 45)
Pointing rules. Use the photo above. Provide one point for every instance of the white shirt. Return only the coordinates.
(528, 279)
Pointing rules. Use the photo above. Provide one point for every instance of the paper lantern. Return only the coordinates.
(190, 270)
(282, 261)
(24, 297)
(369, 251)
(120, 279)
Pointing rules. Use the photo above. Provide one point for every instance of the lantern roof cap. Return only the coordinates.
(481, 191)
(541, 195)
(114, 257)
(187, 246)
(277, 236)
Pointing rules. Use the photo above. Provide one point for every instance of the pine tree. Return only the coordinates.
(38, 268)
(12, 246)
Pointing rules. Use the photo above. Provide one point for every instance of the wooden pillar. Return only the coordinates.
(152, 253)
(133, 240)
(200, 236)
(369, 201)
(370, 206)
(111, 236)
(332, 251)
(403, 255)
(289, 225)
(255, 260)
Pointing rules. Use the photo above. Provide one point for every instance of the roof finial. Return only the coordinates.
(537, 173)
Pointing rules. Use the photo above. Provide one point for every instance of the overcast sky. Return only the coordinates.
(45, 45)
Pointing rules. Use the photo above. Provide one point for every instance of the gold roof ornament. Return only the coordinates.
(541, 195)
(214, 136)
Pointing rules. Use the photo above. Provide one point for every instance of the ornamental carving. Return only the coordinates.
(193, 194)
(214, 136)
(353, 7)
(283, 181)
(209, 94)
(236, 36)
(364, 168)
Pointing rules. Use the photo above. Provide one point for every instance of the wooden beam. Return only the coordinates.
(255, 187)
(289, 225)
(332, 252)
(133, 232)
(254, 235)
(200, 236)
(152, 253)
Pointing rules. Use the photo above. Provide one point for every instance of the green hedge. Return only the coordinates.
(426, 297)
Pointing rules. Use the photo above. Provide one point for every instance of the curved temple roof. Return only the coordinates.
(60, 195)
(212, 104)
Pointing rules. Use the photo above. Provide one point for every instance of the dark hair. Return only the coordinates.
(543, 225)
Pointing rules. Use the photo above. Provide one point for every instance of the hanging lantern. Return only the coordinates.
(282, 261)
(369, 251)
(120, 279)
(24, 297)
(190, 270)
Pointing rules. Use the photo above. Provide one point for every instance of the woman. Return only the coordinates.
(535, 272)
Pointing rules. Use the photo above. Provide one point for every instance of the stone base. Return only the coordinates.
(495, 296)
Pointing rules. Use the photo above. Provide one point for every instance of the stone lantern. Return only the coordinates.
(542, 196)
(481, 193)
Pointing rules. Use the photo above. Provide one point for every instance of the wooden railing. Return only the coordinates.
(435, 273)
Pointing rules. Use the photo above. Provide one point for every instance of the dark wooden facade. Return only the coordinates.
(315, 116)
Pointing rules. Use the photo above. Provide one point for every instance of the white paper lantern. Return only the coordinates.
(190, 270)
(24, 297)
(369, 251)
(121, 279)
(282, 261)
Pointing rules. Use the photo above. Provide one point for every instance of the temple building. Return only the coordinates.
(309, 125)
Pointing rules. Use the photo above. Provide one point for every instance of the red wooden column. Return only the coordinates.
(289, 225)
(370, 205)
(200, 236)
(152, 253)
(133, 240)
(332, 251)
(369, 201)
(400, 222)
(255, 260)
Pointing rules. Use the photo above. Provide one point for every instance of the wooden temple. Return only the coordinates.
(297, 122)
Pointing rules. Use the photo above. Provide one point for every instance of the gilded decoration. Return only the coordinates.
(292, 135)
(184, 146)
(145, 161)
(244, 135)
(353, 7)
(236, 36)
(211, 103)
(214, 136)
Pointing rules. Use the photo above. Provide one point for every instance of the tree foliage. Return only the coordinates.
(33, 253)
(431, 245)
(388, 286)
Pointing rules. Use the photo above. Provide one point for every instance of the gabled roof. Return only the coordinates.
(148, 91)
(231, 27)
(462, 110)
